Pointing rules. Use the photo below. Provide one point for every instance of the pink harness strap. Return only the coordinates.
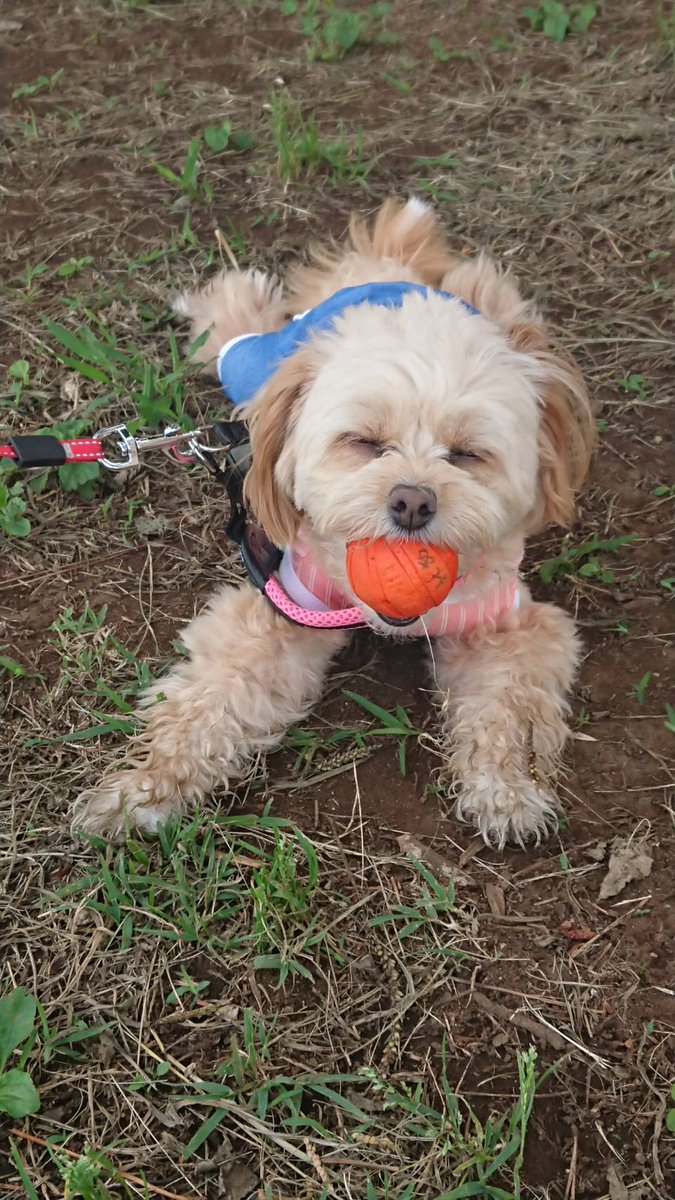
(342, 618)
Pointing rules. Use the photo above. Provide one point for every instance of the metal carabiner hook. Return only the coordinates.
(125, 445)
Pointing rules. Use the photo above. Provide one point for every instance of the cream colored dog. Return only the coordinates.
(484, 414)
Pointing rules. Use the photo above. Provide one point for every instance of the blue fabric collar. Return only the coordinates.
(247, 363)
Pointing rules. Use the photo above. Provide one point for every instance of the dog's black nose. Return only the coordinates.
(411, 507)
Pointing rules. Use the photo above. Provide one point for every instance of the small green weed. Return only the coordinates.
(29, 275)
(481, 1156)
(435, 902)
(87, 648)
(621, 628)
(334, 36)
(188, 181)
(73, 267)
(9, 664)
(84, 1176)
(300, 150)
(583, 560)
(319, 755)
(639, 690)
(399, 85)
(443, 162)
(434, 186)
(438, 194)
(334, 32)
(557, 21)
(189, 990)
(396, 724)
(664, 490)
(670, 718)
(19, 372)
(442, 55)
(18, 1095)
(282, 912)
(670, 1115)
(13, 506)
(222, 137)
(665, 23)
(636, 385)
(43, 83)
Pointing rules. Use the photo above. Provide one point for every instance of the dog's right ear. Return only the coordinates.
(269, 483)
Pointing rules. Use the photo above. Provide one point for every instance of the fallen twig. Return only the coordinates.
(502, 1013)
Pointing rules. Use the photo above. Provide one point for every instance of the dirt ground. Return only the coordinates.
(384, 1063)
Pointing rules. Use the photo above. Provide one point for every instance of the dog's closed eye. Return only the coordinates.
(460, 456)
(370, 446)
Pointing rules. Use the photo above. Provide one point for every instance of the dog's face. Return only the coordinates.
(417, 422)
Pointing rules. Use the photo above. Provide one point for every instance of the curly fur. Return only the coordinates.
(489, 413)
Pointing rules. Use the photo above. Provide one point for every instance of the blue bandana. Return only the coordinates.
(248, 362)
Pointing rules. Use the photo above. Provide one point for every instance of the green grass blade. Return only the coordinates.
(375, 710)
(205, 1130)
(22, 1173)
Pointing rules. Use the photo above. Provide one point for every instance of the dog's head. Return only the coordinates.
(424, 421)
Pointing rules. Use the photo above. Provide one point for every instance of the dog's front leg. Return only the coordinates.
(250, 674)
(504, 720)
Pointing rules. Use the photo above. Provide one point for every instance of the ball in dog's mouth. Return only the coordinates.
(401, 581)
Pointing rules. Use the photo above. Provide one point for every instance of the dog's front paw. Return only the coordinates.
(128, 800)
(508, 810)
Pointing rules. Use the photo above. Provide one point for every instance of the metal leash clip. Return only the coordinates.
(183, 445)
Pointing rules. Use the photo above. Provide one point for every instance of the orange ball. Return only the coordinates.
(400, 580)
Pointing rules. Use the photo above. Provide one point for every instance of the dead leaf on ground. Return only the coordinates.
(596, 853)
(238, 1183)
(151, 526)
(628, 861)
(496, 900)
(575, 933)
(617, 1187)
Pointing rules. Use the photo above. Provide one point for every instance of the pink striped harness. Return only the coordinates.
(302, 592)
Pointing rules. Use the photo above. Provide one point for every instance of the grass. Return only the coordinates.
(43, 83)
(639, 691)
(559, 21)
(665, 24)
(332, 32)
(256, 892)
(585, 560)
(300, 149)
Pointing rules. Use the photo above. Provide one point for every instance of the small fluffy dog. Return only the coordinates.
(484, 424)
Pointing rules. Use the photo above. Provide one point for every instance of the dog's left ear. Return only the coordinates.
(269, 482)
(566, 429)
(567, 424)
